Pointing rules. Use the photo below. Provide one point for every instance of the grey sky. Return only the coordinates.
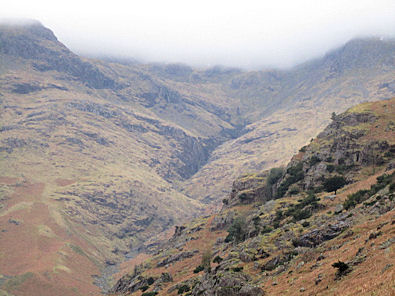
(235, 33)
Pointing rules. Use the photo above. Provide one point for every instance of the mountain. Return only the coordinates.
(98, 157)
(280, 233)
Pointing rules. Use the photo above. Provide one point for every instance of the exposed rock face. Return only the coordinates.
(177, 257)
(318, 236)
(228, 284)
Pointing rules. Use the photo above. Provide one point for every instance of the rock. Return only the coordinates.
(302, 289)
(318, 236)
(228, 284)
(110, 262)
(300, 264)
(330, 197)
(339, 208)
(246, 257)
(166, 277)
(177, 257)
(250, 291)
(14, 221)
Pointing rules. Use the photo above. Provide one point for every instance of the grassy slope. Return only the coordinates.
(374, 275)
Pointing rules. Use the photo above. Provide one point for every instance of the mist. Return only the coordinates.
(247, 34)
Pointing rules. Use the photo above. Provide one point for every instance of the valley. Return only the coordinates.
(100, 157)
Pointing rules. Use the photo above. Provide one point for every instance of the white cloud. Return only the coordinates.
(236, 33)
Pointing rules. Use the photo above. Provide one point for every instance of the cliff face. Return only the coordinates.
(280, 233)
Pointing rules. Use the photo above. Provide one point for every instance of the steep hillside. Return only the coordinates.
(286, 109)
(99, 156)
(280, 233)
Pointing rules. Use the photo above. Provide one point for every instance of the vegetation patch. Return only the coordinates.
(362, 195)
(295, 174)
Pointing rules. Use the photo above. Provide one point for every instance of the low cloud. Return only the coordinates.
(248, 34)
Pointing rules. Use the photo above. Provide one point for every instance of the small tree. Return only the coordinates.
(237, 231)
(342, 268)
(334, 183)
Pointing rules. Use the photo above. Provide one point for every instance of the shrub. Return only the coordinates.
(150, 281)
(217, 259)
(362, 195)
(274, 175)
(355, 198)
(299, 211)
(237, 231)
(342, 268)
(294, 190)
(183, 289)
(198, 269)
(237, 269)
(149, 294)
(330, 168)
(334, 183)
(243, 197)
(144, 288)
(266, 229)
(314, 160)
(295, 174)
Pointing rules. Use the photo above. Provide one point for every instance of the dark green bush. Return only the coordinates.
(330, 168)
(334, 183)
(314, 160)
(144, 288)
(217, 259)
(243, 197)
(183, 289)
(355, 198)
(149, 294)
(295, 174)
(362, 195)
(303, 209)
(150, 281)
(274, 175)
(266, 229)
(237, 269)
(237, 231)
(198, 269)
(342, 267)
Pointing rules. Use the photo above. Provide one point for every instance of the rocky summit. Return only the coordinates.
(100, 159)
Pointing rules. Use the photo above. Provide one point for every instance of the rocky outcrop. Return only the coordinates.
(317, 236)
(176, 257)
(227, 284)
